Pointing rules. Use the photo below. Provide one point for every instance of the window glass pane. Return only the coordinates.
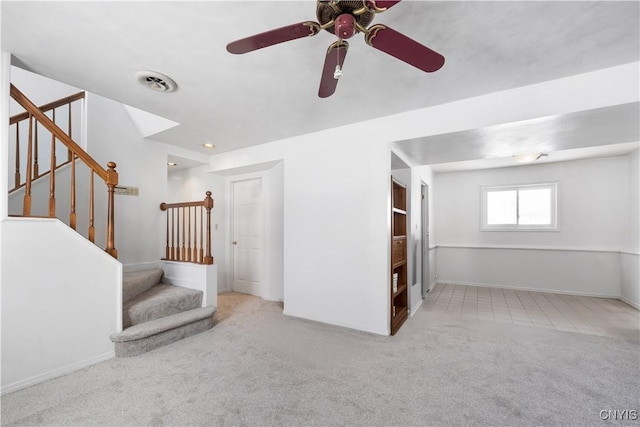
(535, 206)
(501, 207)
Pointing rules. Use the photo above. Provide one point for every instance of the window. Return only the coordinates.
(520, 207)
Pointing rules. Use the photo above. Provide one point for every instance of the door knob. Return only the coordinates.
(235, 242)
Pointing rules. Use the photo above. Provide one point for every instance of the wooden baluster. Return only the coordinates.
(208, 205)
(36, 167)
(174, 255)
(52, 177)
(188, 233)
(182, 253)
(26, 208)
(112, 181)
(177, 225)
(163, 207)
(194, 250)
(92, 228)
(201, 248)
(69, 122)
(71, 156)
(170, 232)
(17, 173)
(72, 214)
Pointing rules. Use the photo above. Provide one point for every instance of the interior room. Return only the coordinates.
(329, 202)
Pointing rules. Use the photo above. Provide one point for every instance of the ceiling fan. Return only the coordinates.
(345, 18)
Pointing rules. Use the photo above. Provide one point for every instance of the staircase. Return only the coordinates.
(155, 314)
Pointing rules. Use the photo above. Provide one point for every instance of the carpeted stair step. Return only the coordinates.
(137, 282)
(160, 301)
(150, 335)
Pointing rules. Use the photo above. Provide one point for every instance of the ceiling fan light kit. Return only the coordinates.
(344, 19)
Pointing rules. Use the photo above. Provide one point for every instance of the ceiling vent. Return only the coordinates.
(156, 81)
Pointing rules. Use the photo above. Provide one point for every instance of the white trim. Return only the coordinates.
(432, 247)
(630, 252)
(393, 149)
(56, 373)
(433, 285)
(629, 302)
(521, 288)
(553, 226)
(414, 310)
(357, 328)
(535, 248)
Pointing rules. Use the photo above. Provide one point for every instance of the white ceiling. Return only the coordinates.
(237, 101)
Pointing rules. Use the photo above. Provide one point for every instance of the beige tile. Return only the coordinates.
(522, 323)
(595, 316)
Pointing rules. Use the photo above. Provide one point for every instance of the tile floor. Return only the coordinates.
(588, 315)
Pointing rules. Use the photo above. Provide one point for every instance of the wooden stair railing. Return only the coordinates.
(191, 230)
(18, 119)
(110, 177)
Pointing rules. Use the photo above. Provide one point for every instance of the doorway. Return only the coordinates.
(247, 232)
(424, 190)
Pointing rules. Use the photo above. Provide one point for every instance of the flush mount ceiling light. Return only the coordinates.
(209, 146)
(156, 81)
(528, 157)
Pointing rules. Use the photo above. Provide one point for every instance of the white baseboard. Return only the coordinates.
(58, 372)
(519, 288)
(331, 323)
(629, 302)
(433, 284)
(414, 310)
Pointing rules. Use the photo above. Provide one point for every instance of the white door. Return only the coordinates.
(248, 236)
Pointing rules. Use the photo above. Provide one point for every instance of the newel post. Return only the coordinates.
(112, 181)
(208, 205)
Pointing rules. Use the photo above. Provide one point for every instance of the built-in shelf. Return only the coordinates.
(398, 309)
(399, 264)
(401, 288)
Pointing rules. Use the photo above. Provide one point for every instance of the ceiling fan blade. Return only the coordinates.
(381, 5)
(335, 56)
(270, 38)
(405, 49)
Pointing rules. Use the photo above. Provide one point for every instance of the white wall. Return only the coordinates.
(190, 184)
(336, 209)
(582, 257)
(58, 317)
(110, 136)
(53, 320)
(629, 259)
(140, 226)
(336, 190)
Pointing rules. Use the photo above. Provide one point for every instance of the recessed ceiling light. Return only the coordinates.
(156, 81)
(209, 146)
(172, 164)
(528, 157)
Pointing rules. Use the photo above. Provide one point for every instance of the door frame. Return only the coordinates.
(266, 274)
(263, 285)
(425, 237)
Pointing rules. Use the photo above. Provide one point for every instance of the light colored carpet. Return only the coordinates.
(258, 367)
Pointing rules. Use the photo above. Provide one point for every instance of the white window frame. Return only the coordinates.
(554, 226)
